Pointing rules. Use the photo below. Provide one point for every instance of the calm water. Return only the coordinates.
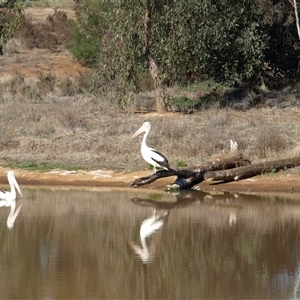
(76, 244)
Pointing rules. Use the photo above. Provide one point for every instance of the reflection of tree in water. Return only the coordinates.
(246, 256)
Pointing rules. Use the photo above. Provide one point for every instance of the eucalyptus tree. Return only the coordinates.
(220, 40)
(175, 41)
(10, 19)
(281, 64)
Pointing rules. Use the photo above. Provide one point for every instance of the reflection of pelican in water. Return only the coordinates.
(12, 214)
(232, 217)
(147, 229)
(7, 196)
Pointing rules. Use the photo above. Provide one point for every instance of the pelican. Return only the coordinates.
(12, 214)
(150, 155)
(148, 227)
(5, 196)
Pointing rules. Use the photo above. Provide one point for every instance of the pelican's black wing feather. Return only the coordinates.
(163, 163)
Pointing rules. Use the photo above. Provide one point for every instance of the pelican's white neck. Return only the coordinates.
(144, 140)
(12, 188)
(146, 253)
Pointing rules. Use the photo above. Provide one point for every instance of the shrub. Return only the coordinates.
(54, 32)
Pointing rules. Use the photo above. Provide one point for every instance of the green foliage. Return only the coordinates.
(205, 85)
(185, 103)
(270, 171)
(281, 66)
(85, 49)
(89, 31)
(10, 18)
(218, 40)
(224, 41)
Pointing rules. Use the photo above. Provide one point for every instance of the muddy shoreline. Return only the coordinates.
(275, 183)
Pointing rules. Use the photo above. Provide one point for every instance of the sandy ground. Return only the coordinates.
(280, 182)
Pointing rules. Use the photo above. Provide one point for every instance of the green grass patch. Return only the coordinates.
(155, 197)
(43, 166)
(270, 171)
(206, 86)
(184, 102)
(212, 99)
(206, 101)
(180, 163)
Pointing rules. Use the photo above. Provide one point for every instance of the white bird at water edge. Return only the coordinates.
(6, 196)
(150, 155)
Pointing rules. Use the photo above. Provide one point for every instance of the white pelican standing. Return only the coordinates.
(6, 196)
(150, 155)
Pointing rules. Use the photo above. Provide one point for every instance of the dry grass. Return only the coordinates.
(40, 124)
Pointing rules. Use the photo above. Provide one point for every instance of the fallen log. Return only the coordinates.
(252, 170)
(188, 177)
(224, 167)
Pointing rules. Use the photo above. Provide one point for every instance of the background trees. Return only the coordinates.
(150, 44)
(280, 66)
(227, 41)
(10, 20)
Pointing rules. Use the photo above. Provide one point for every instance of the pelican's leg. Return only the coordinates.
(154, 170)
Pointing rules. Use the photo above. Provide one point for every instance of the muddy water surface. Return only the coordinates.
(114, 244)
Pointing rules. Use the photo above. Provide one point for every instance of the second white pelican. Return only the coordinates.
(150, 155)
(6, 196)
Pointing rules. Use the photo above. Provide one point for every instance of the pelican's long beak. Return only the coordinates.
(17, 186)
(139, 131)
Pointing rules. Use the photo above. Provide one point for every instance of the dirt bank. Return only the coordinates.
(281, 182)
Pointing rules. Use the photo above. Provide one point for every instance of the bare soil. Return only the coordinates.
(32, 63)
(60, 63)
(281, 182)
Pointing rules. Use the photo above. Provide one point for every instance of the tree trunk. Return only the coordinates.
(153, 69)
(159, 92)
